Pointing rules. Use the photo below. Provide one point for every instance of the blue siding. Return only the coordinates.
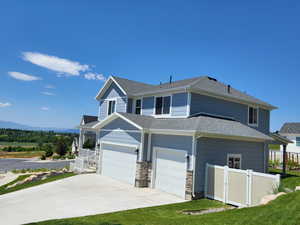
(121, 124)
(202, 103)
(148, 106)
(120, 137)
(102, 110)
(113, 92)
(176, 142)
(179, 104)
(121, 104)
(214, 151)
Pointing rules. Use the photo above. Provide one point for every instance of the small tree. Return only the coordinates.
(48, 149)
(61, 146)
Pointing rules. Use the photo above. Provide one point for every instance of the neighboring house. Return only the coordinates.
(162, 136)
(292, 132)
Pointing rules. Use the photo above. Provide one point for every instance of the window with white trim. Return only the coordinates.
(252, 116)
(234, 161)
(111, 107)
(298, 141)
(162, 105)
(138, 106)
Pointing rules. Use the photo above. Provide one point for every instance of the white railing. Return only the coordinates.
(86, 160)
(238, 187)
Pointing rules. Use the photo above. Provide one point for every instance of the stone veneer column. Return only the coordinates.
(189, 185)
(143, 174)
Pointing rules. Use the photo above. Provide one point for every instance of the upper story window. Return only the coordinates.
(298, 141)
(111, 107)
(252, 116)
(234, 161)
(162, 105)
(138, 106)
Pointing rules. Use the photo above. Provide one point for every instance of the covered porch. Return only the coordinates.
(88, 149)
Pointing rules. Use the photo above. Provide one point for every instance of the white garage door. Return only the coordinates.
(119, 162)
(170, 171)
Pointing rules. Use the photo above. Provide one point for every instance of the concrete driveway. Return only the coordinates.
(80, 195)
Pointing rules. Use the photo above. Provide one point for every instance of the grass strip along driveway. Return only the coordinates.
(3, 189)
(282, 211)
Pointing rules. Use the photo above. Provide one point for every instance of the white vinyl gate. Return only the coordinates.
(119, 162)
(238, 187)
(170, 171)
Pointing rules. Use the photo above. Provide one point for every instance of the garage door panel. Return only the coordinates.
(119, 163)
(170, 171)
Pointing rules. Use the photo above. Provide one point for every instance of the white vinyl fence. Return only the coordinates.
(238, 187)
(278, 155)
(87, 159)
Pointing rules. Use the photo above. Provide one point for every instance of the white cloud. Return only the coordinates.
(49, 86)
(94, 76)
(23, 76)
(44, 108)
(47, 93)
(60, 65)
(6, 104)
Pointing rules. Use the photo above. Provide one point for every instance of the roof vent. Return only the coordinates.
(228, 88)
(211, 78)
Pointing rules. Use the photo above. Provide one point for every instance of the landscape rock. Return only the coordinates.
(297, 188)
(266, 199)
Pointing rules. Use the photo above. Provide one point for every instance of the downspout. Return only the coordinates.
(194, 163)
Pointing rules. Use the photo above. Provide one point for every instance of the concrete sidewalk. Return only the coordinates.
(80, 195)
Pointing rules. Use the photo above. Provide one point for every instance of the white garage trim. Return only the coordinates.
(117, 143)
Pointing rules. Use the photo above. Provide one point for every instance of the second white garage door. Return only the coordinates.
(170, 172)
(119, 162)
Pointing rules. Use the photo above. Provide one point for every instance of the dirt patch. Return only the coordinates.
(206, 211)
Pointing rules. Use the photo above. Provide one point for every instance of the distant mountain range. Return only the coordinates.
(13, 125)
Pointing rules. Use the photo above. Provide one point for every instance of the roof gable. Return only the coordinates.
(290, 128)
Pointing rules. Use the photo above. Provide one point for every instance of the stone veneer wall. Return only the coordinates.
(143, 174)
(189, 185)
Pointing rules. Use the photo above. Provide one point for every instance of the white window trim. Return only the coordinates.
(134, 105)
(109, 100)
(253, 124)
(154, 107)
(234, 156)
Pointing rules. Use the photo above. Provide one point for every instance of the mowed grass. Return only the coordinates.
(282, 211)
(274, 147)
(27, 154)
(3, 189)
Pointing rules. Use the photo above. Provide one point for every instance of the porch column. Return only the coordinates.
(81, 134)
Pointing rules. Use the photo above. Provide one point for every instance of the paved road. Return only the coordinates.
(10, 164)
(81, 195)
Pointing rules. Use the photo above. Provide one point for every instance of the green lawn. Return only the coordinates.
(274, 147)
(283, 211)
(31, 184)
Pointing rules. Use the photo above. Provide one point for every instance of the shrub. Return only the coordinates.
(43, 157)
(89, 143)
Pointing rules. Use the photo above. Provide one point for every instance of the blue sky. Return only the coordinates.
(252, 45)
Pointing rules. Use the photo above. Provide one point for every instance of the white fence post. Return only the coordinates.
(225, 184)
(249, 187)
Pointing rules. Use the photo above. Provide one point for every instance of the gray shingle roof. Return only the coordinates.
(290, 128)
(203, 84)
(201, 124)
(87, 119)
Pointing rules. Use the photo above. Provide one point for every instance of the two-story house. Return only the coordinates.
(292, 132)
(162, 136)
